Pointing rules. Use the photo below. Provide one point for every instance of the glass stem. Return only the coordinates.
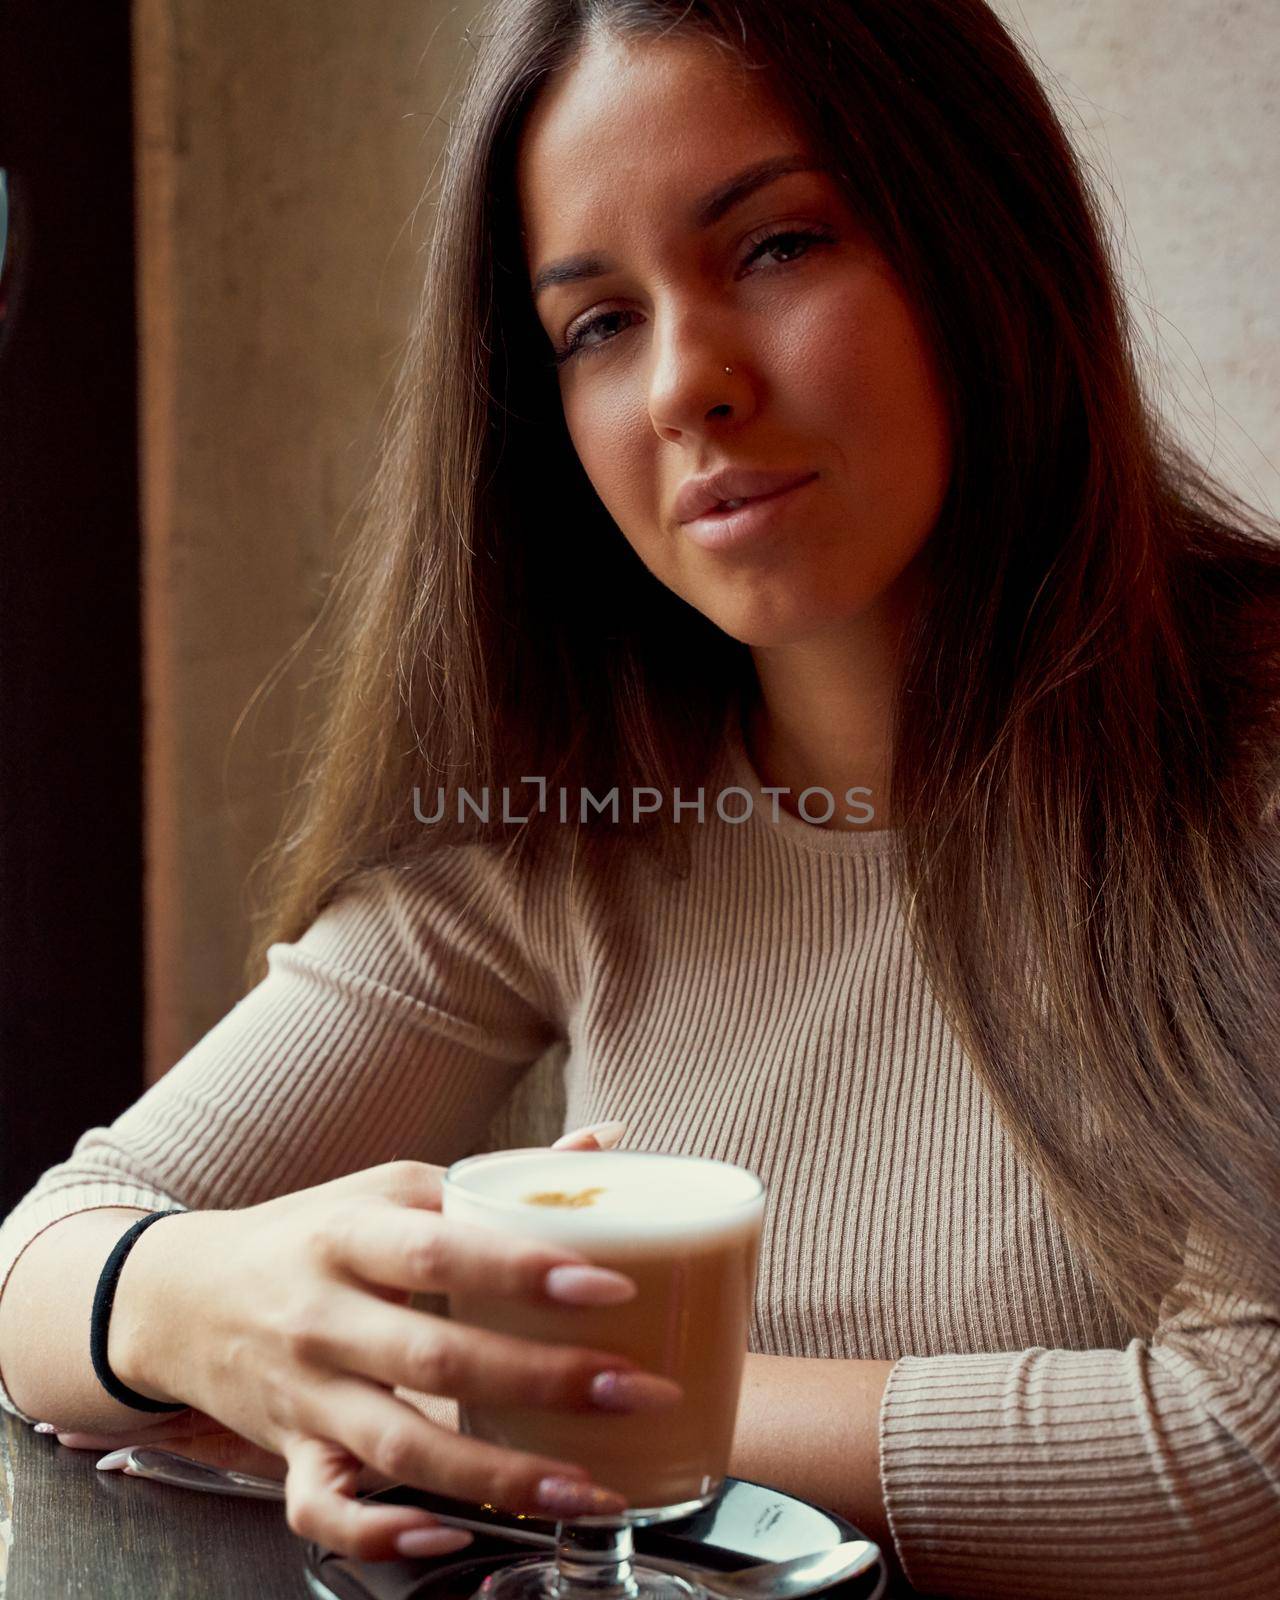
(594, 1562)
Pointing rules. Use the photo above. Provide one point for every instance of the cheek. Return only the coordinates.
(616, 443)
(862, 371)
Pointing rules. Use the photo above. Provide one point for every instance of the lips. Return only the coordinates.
(709, 493)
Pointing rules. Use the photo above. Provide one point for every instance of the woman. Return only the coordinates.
(995, 1025)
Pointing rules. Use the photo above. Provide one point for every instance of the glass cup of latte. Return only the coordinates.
(687, 1232)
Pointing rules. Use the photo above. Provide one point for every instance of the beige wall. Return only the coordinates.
(283, 145)
(1175, 105)
(282, 149)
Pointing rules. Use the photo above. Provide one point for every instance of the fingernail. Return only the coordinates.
(605, 1134)
(634, 1391)
(433, 1541)
(117, 1458)
(571, 1499)
(588, 1286)
(46, 1427)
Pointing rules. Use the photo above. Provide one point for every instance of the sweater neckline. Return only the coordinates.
(807, 835)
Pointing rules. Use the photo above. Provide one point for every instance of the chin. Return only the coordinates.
(766, 622)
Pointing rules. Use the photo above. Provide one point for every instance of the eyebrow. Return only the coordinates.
(707, 211)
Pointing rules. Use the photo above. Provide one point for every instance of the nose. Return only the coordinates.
(698, 377)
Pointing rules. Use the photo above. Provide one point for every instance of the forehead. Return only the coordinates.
(637, 127)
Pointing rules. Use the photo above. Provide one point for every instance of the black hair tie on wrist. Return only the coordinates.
(100, 1322)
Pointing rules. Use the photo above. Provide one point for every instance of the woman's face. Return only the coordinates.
(830, 373)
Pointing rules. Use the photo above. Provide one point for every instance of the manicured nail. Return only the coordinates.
(46, 1427)
(605, 1134)
(634, 1391)
(117, 1458)
(570, 1499)
(433, 1541)
(588, 1286)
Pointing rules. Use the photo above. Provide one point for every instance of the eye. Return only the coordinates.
(783, 240)
(578, 341)
(789, 237)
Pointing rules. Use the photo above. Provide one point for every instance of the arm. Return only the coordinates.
(1084, 1473)
(44, 1319)
(809, 1426)
(1095, 1473)
(393, 1027)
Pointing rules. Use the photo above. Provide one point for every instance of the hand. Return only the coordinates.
(304, 1333)
(191, 1434)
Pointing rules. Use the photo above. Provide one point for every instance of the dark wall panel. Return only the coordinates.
(70, 703)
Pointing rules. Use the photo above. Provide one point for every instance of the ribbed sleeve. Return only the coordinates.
(392, 1028)
(1152, 1469)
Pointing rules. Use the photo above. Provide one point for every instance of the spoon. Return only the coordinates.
(771, 1580)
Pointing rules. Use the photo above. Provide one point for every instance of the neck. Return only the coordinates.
(822, 716)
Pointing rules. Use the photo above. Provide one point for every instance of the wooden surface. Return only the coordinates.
(68, 1529)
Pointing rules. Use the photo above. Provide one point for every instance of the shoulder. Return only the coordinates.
(522, 890)
(450, 883)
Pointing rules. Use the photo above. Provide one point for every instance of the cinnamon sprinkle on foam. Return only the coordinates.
(557, 1197)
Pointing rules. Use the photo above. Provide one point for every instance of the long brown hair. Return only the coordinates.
(1085, 730)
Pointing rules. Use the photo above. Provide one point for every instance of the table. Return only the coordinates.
(74, 1531)
(68, 1530)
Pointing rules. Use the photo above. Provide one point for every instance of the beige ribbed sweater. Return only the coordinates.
(767, 1010)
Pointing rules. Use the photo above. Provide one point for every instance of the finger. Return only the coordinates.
(410, 1250)
(410, 1183)
(190, 1424)
(436, 1356)
(107, 1441)
(597, 1136)
(117, 1441)
(398, 1441)
(320, 1504)
(227, 1451)
(232, 1452)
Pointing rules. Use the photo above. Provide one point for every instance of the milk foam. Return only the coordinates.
(637, 1198)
